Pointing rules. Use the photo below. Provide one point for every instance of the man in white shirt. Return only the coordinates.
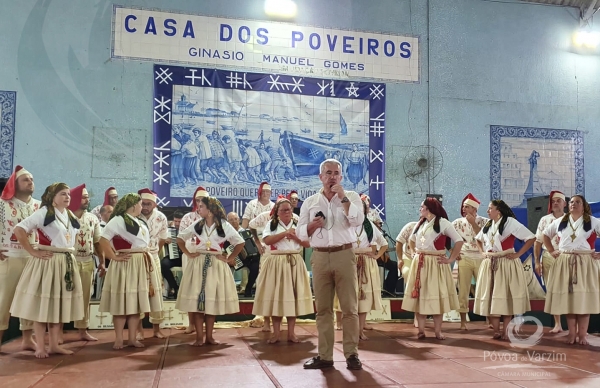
(105, 213)
(111, 197)
(545, 261)
(326, 220)
(87, 241)
(158, 226)
(16, 204)
(470, 257)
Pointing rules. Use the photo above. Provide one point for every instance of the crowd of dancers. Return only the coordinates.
(47, 249)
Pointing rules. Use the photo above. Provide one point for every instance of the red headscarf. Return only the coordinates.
(107, 193)
(554, 193)
(200, 192)
(263, 186)
(435, 207)
(11, 185)
(76, 194)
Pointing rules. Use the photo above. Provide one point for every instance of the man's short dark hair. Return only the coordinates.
(178, 214)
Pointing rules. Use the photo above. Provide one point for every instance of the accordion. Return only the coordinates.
(249, 252)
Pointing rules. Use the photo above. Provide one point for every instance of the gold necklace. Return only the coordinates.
(573, 236)
(358, 235)
(495, 231)
(209, 234)
(429, 226)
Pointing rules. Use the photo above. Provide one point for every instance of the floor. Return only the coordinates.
(392, 357)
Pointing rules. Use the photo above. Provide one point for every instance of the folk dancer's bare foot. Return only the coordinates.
(440, 336)
(497, 336)
(159, 334)
(198, 343)
(41, 353)
(60, 350)
(139, 336)
(363, 337)
(211, 341)
(266, 328)
(368, 327)
(190, 330)
(463, 326)
(135, 344)
(556, 330)
(292, 338)
(85, 336)
(273, 339)
(118, 345)
(421, 335)
(28, 344)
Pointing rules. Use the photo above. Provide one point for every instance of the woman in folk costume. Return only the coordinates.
(283, 286)
(49, 291)
(501, 289)
(369, 284)
(186, 221)
(430, 286)
(131, 285)
(573, 285)
(207, 287)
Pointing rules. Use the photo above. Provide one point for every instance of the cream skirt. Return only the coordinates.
(369, 284)
(501, 288)
(437, 293)
(132, 286)
(573, 285)
(207, 287)
(42, 294)
(283, 286)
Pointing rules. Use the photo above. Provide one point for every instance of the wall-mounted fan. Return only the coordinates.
(422, 163)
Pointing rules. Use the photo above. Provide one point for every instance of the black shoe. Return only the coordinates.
(317, 363)
(353, 362)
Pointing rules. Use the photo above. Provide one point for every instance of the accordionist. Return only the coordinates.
(172, 257)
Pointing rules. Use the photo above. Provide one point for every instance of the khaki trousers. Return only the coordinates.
(86, 271)
(468, 267)
(336, 273)
(547, 264)
(11, 269)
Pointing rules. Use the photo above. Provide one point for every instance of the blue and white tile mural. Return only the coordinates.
(228, 131)
(8, 105)
(530, 162)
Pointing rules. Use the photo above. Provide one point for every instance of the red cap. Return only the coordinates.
(76, 194)
(110, 191)
(200, 192)
(263, 186)
(11, 184)
(471, 201)
(289, 196)
(147, 194)
(554, 193)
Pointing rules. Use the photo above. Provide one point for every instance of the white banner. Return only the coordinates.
(144, 34)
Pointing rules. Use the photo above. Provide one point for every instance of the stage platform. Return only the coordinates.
(392, 357)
